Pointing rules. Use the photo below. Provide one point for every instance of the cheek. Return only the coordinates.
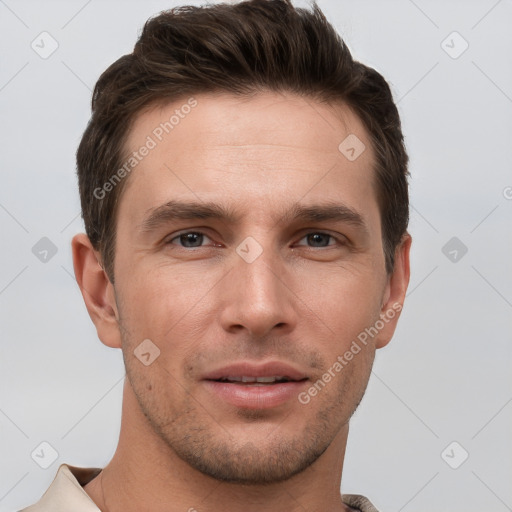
(154, 301)
(335, 393)
(345, 302)
(172, 310)
(160, 395)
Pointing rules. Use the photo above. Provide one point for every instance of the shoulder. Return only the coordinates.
(358, 502)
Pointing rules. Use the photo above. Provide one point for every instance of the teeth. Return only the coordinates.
(264, 380)
(267, 379)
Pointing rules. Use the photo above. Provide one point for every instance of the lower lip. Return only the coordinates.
(256, 397)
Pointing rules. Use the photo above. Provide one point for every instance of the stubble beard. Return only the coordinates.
(199, 440)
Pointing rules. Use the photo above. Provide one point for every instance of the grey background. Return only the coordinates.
(445, 376)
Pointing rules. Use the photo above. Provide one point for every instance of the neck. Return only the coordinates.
(145, 473)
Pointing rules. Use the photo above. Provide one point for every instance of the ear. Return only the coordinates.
(394, 294)
(97, 290)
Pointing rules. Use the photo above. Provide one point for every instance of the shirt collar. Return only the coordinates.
(66, 491)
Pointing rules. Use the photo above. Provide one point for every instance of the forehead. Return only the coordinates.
(268, 149)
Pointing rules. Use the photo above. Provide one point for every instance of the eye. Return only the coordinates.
(189, 239)
(195, 239)
(321, 239)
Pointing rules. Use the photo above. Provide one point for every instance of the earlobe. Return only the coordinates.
(97, 290)
(396, 289)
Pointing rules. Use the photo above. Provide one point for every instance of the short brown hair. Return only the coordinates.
(240, 48)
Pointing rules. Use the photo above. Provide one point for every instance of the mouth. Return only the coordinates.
(252, 386)
(257, 381)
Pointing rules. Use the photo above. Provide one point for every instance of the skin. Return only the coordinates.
(303, 301)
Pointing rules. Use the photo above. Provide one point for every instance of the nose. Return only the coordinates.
(257, 296)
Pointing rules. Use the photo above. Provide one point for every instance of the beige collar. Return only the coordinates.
(66, 492)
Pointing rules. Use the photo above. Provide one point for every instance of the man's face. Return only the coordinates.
(263, 287)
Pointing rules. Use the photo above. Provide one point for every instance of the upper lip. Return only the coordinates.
(248, 369)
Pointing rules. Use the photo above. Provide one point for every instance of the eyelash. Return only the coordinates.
(340, 242)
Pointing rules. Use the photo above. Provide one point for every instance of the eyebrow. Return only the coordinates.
(180, 210)
(185, 210)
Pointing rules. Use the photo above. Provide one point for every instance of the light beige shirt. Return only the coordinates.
(66, 493)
